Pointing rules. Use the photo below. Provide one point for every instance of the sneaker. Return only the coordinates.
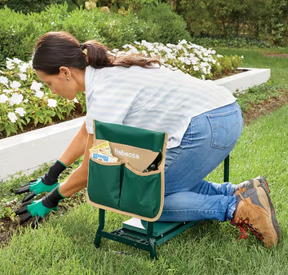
(255, 213)
(262, 183)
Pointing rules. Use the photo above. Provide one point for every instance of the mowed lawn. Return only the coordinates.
(64, 243)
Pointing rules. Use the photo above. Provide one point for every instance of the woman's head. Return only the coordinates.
(60, 61)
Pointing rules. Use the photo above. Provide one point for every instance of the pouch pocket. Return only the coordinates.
(226, 128)
(141, 193)
(104, 183)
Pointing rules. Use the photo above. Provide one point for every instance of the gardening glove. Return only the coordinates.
(40, 208)
(43, 184)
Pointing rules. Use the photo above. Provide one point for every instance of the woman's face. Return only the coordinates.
(62, 84)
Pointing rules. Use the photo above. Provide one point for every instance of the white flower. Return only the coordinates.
(9, 65)
(3, 98)
(25, 100)
(16, 99)
(219, 55)
(4, 80)
(15, 85)
(53, 103)
(203, 77)
(12, 116)
(242, 56)
(75, 100)
(20, 111)
(195, 68)
(16, 60)
(36, 86)
(39, 94)
(23, 67)
(23, 76)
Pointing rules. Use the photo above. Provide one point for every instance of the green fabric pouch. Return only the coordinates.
(122, 186)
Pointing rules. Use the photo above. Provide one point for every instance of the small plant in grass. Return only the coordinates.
(9, 202)
(256, 94)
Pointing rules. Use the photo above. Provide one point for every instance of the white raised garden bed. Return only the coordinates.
(25, 152)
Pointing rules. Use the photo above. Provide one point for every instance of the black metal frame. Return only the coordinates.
(146, 241)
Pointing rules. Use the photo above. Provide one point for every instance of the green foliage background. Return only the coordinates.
(19, 32)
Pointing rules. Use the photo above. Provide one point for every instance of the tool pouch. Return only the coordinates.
(122, 186)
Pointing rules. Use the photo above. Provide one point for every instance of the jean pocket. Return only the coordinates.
(226, 128)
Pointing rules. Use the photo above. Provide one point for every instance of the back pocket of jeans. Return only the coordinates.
(226, 128)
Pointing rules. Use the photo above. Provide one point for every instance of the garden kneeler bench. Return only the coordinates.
(124, 188)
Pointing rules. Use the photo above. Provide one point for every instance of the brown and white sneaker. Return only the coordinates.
(254, 212)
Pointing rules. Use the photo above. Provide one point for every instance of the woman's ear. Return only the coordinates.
(64, 72)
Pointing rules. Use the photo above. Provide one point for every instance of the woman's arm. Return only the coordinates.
(78, 179)
(76, 148)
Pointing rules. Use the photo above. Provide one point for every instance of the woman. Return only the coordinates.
(203, 122)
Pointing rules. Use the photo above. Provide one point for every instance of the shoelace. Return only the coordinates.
(244, 224)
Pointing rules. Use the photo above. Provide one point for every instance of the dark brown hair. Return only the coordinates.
(56, 49)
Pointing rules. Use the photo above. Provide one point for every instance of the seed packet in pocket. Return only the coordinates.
(103, 157)
(102, 148)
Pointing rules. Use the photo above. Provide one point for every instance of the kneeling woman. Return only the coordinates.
(203, 122)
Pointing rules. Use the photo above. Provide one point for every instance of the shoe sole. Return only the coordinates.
(265, 186)
(264, 200)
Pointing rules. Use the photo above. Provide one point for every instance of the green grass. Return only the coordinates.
(64, 244)
(256, 58)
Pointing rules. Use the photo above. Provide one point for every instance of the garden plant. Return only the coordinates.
(25, 101)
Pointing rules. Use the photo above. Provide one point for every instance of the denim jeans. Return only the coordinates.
(209, 139)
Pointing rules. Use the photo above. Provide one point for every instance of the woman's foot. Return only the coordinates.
(255, 212)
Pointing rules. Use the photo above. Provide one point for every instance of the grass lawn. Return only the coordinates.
(64, 244)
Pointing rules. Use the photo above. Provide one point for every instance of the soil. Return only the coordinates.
(265, 107)
(282, 55)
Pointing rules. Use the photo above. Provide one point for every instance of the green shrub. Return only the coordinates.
(19, 32)
(166, 24)
(257, 19)
(27, 6)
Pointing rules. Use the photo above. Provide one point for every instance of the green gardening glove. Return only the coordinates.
(44, 184)
(40, 208)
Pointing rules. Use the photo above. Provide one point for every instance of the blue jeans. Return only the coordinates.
(209, 139)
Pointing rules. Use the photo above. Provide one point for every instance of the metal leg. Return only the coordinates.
(151, 241)
(226, 169)
(100, 227)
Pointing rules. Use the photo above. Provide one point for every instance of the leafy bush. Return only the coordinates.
(168, 26)
(19, 32)
(27, 6)
(257, 19)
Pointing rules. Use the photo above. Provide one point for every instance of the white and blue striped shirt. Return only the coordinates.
(155, 99)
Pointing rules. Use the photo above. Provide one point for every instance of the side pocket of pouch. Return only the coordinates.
(141, 193)
(104, 183)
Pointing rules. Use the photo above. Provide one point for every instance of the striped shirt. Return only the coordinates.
(155, 99)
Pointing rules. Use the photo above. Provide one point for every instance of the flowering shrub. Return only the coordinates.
(24, 101)
(190, 58)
